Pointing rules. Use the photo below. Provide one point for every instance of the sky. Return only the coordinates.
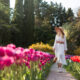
(74, 4)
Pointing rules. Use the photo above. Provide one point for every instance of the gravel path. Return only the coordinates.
(55, 75)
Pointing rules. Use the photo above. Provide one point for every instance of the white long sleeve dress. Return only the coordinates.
(60, 49)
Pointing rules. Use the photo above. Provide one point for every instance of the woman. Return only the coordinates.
(60, 47)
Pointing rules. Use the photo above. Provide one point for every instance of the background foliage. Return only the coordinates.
(74, 69)
(72, 30)
(29, 22)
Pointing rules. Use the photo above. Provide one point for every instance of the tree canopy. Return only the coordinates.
(31, 21)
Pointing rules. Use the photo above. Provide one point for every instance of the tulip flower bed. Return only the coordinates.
(74, 66)
(17, 63)
(75, 59)
(68, 56)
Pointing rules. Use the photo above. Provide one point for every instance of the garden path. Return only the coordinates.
(55, 75)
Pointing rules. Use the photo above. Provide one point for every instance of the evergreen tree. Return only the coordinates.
(64, 15)
(37, 11)
(37, 4)
(18, 12)
(4, 10)
(60, 13)
(70, 15)
(5, 2)
(28, 28)
(18, 21)
(4, 22)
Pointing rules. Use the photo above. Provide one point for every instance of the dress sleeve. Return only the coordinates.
(65, 43)
(54, 43)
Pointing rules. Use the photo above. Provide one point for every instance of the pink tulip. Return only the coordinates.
(20, 48)
(10, 51)
(31, 50)
(2, 51)
(8, 61)
(10, 55)
(40, 66)
(34, 57)
(43, 63)
(19, 54)
(1, 64)
(27, 64)
(11, 46)
(26, 52)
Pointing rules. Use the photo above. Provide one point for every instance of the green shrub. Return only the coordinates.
(74, 69)
(42, 47)
(51, 42)
(77, 51)
(72, 31)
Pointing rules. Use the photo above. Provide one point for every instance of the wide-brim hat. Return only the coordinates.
(61, 28)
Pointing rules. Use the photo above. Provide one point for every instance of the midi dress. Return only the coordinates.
(60, 49)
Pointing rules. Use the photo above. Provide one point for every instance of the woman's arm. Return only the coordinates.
(54, 43)
(65, 44)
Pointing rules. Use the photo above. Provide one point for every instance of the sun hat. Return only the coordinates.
(61, 29)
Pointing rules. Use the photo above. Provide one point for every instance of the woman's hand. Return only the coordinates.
(65, 51)
(53, 49)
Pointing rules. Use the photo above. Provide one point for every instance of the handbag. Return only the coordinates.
(55, 59)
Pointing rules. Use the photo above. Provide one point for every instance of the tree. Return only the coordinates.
(24, 22)
(5, 2)
(17, 21)
(4, 22)
(70, 15)
(37, 11)
(4, 11)
(37, 4)
(64, 15)
(18, 12)
(46, 19)
(78, 14)
(28, 28)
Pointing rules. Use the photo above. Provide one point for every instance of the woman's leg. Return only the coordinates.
(59, 65)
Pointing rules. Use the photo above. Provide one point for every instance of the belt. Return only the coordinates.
(60, 42)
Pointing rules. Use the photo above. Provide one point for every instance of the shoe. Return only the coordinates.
(60, 70)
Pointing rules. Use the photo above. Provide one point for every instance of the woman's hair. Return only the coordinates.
(62, 31)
